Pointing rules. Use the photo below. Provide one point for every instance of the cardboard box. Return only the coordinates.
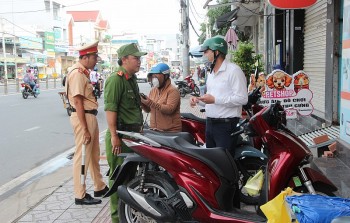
(328, 154)
(333, 147)
(320, 139)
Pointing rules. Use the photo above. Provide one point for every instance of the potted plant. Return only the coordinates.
(246, 59)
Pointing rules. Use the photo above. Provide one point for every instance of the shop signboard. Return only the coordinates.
(291, 90)
(292, 4)
(50, 41)
(29, 42)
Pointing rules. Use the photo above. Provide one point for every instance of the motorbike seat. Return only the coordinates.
(180, 82)
(185, 135)
(193, 117)
(217, 158)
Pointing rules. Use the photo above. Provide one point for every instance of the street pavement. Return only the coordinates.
(50, 198)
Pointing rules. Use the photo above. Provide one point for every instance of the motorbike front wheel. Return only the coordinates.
(182, 92)
(25, 94)
(196, 91)
(247, 168)
(319, 189)
(153, 185)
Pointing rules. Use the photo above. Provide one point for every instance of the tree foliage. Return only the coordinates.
(246, 58)
(212, 14)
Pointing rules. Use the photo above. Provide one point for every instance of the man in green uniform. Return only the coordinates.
(123, 111)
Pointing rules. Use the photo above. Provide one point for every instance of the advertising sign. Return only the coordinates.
(50, 41)
(292, 91)
(345, 76)
(291, 4)
(29, 42)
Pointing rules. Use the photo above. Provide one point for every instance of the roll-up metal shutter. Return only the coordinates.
(315, 53)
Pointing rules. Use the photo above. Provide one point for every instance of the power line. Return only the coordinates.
(194, 16)
(194, 8)
(40, 10)
(19, 27)
(193, 27)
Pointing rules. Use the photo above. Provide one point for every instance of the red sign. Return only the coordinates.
(292, 4)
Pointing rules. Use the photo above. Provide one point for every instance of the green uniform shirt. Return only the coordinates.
(121, 95)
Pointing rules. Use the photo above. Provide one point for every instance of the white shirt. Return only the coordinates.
(229, 87)
(94, 76)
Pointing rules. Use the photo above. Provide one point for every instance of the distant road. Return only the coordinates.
(35, 130)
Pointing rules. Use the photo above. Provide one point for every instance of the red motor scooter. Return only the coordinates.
(187, 87)
(168, 179)
(248, 159)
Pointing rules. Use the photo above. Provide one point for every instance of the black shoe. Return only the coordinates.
(101, 192)
(87, 200)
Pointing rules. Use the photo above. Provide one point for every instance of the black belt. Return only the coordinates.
(93, 111)
(223, 120)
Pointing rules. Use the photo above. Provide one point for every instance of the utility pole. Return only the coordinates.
(185, 37)
(4, 48)
(4, 52)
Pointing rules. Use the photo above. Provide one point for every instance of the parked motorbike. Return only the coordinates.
(187, 87)
(249, 160)
(196, 125)
(168, 179)
(27, 90)
(96, 89)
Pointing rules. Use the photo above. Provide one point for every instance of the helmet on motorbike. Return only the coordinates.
(215, 43)
(160, 68)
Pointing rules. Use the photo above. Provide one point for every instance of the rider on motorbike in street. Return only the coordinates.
(30, 79)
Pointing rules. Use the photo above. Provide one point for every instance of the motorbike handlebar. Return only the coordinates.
(241, 124)
(237, 132)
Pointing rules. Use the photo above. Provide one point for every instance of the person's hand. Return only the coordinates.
(144, 100)
(193, 101)
(207, 99)
(116, 145)
(86, 137)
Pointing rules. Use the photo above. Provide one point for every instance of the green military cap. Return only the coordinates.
(130, 49)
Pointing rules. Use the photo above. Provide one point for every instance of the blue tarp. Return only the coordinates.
(317, 208)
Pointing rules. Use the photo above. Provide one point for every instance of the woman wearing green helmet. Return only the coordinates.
(226, 94)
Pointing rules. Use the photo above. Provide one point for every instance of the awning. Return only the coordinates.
(38, 64)
(226, 18)
(10, 64)
(1, 64)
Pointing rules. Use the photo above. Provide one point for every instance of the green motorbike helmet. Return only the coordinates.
(215, 43)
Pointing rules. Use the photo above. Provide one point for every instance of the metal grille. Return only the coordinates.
(331, 131)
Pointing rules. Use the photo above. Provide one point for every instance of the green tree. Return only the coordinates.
(212, 14)
(246, 58)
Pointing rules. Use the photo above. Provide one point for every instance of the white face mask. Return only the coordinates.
(205, 59)
(155, 82)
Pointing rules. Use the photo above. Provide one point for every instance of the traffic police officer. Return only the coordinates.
(123, 111)
(85, 126)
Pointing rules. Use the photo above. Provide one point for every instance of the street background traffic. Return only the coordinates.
(35, 130)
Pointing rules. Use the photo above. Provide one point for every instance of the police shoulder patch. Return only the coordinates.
(120, 73)
(84, 71)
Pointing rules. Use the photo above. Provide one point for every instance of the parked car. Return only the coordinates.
(142, 75)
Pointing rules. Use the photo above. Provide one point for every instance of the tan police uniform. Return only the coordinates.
(79, 84)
